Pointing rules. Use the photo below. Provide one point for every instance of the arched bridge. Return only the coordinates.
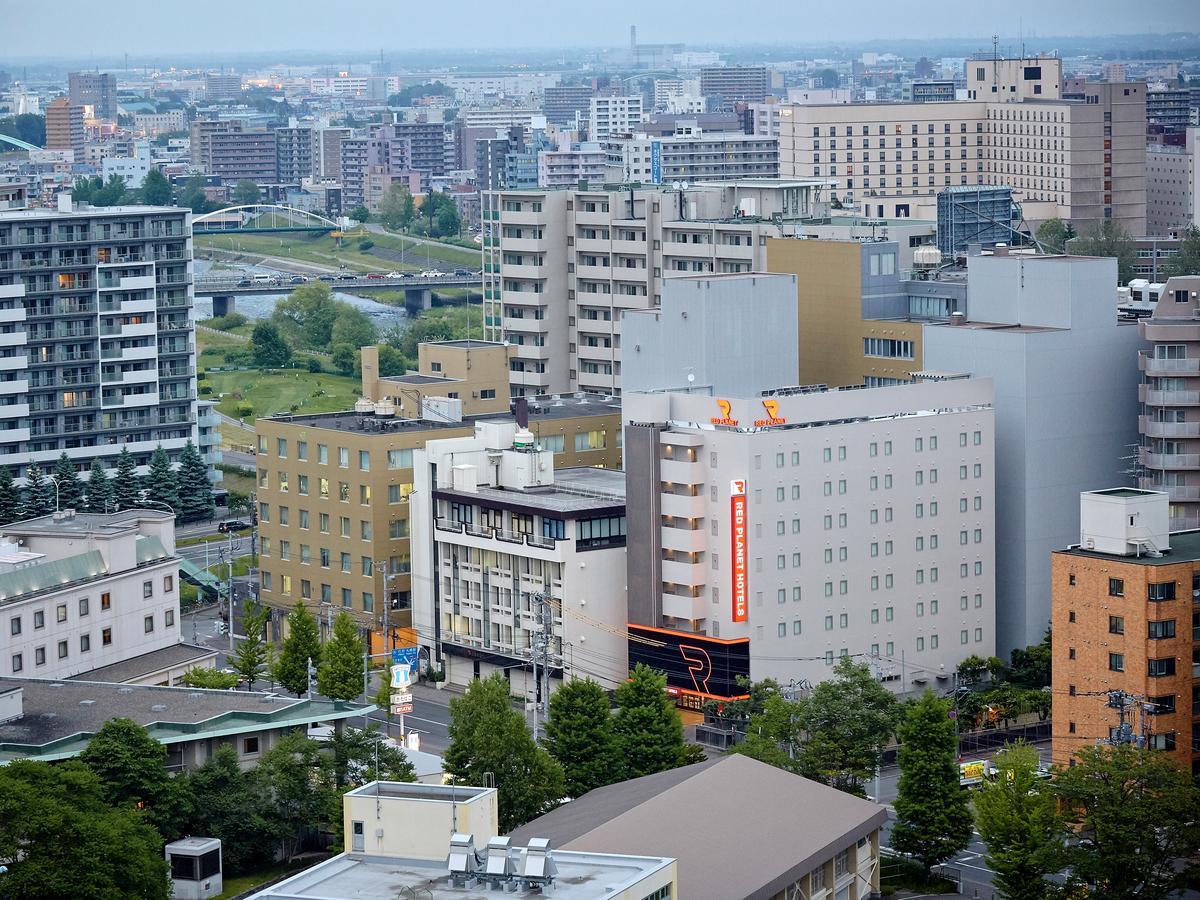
(17, 142)
(260, 218)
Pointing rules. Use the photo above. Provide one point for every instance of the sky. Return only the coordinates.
(35, 28)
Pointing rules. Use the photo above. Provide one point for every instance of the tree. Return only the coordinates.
(131, 767)
(303, 643)
(352, 328)
(1030, 666)
(361, 755)
(345, 359)
(1136, 811)
(250, 657)
(26, 127)
(360, 214)
(579, 734)
(70, 488)
(933, 819)
(649, 731)
(971, 670)
(1187, 260)
(305, 317)
(340, 675)
(110, 193)
(235, 806)
(488, 735)
(156, 190)
(195, 490)
(1017, 818)
(60, 838)
(396, 207)
(828, 78)
(848, 719)
(245, 193)
(192, 195)
(1053, 234)
(1108, 238)
(98, 492)
(447, 223)
(162, 484)
(126, 484)
(773, 735)
(268, 348)
(298, 777)
(10, 497)
(211, 679)
(39, 493)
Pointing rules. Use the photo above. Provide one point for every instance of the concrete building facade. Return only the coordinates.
(699, 156)
(243, 155)
(611, 115)
(95, 89)
(806, 526)
(97, 351)
(1172, 201)
(297, 153)
(64, 127)
(726, 85)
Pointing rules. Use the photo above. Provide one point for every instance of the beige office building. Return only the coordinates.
(607, 251)
(333, 488)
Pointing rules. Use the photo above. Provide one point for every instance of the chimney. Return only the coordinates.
(370, 372)
(958, 318)
(521, 411)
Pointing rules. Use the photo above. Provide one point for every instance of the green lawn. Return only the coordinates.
(243, 883)
(234, 479)
(327, 251)
(270, 393)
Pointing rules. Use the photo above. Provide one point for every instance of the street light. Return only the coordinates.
(166, 506)
(55, 480)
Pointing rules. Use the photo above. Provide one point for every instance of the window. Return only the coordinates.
(1116, 624)
(323, 454)
(281, 448)
(399, 459)
(1160, 668)
(302, 450)
(364, 495)
(1116, 662)
(1158, 592)
(14, 625)
(148, 624)
(249, 745)
(343, 458)
(147, 589)
(62, 650)
(590, 440)
(169, 618)
(105, 637)
(60, 613)
(39, 656)
(168, 585)
(1161, 629)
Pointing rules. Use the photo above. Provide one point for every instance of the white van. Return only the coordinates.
(264, 279)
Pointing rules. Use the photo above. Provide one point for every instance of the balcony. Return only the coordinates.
(680, 607)
(1152, 366)
(1169, 460)
(679, 471)
(1177, 492)
(1185, 523)
(1152, 428)
(1167, 398)
(686, 540)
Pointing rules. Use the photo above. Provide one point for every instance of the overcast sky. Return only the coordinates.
(80, 28)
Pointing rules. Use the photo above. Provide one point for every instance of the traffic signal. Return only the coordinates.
(220, 627)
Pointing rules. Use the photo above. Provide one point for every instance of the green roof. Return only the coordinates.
(52, 575)
(150, 549)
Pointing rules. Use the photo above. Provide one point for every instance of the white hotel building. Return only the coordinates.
(868, 531)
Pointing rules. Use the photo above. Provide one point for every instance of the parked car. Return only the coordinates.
(232, 525)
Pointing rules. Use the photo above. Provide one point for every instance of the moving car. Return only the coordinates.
(462, 271)
(298, 279)
(232, 525)
(374, 276)
(327, 278)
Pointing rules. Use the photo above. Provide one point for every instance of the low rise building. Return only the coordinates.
(133, 169)
(82, 592)
(1126, 625)
(779, 851)
(526, 567)
(53, 720)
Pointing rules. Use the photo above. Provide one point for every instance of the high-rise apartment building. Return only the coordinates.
(726, 85)
(243, 155)
(427, 142)
(612, 115)
(200, 134)
(1172, 198)
(333, 488)
(379, 153)
(567, 163)
(97, 352)
(222, 87)
(1169, 455)
(297, 152)
(1125, 629)
(64, 127)
(607, 251)
(771, 535)
(329, 164)
(566, 104)
(95, 89)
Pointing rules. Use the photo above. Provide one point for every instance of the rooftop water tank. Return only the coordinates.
(363, 406)
(524, 439)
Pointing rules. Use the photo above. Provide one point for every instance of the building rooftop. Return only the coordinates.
(575, 491)
(467, 344)
(81, 523)
(145, 663)
(1185, 547)
(661, 814)
(418, 378)
(84, 210)
(60, 717)
(549, 407)
(581, 876)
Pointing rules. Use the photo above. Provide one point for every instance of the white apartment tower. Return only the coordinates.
(610, 116)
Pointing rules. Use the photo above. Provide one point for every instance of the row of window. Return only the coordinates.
(919, 444)
(286, 586)
(1155, 668)
(61, 612)
(920, 644)
(396, 459)
(17, 660)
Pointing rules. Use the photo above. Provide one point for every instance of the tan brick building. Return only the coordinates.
(1125, 618)
(333, 488)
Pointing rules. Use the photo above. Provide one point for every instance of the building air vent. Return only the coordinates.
(87, 702)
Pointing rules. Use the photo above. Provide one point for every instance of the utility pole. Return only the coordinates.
(1124, 703)
(229, 587)
(541, 648)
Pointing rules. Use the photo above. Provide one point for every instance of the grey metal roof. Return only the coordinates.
(140, 666)
(738, 827)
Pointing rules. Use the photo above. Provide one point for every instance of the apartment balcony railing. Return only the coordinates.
(1170, 460)
(1152, 366)
(1171, 398)
(1152, 428)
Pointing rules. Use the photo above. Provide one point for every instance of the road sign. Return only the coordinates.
(399, 698)
(401, 709)
(408, 655)
(401, 676)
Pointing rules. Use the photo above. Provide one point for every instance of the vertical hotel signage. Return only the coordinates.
(738, 526)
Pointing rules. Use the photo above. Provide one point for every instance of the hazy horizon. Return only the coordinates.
(221, 27)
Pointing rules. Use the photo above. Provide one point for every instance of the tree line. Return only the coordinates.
(1110, 238)
(184, 488)
(95, 826)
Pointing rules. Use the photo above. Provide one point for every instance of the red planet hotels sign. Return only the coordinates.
(737, 504)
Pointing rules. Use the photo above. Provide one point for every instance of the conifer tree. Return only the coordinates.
(302, 644)
(39, 493)
(195, 490)
(70, 488)
(340, 675)
(579, 734)
(162, 484)
(10, 497)
(126, 484)
(98, 492)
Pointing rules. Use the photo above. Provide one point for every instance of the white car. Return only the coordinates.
(394, 275)
(431, 273)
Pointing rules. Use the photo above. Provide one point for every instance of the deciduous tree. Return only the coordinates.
(212, 679)
(579, 734)
(340, 675)
(245, 193)
(396, 207)
(1135, 811)
(488, 735)
(298, 777)
(1017, 819)
(303, 643)
(156, 190)
(1053, 234)
(1108, 238)
(1187, 260)
(235, 806)
(361, 755)
(268, 348)
(648, 728)
(933, 820)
